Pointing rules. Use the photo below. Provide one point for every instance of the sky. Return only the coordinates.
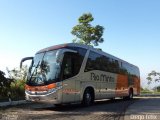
(132, 29)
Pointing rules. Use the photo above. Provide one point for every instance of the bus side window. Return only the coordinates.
(67, 68)
(72, 64)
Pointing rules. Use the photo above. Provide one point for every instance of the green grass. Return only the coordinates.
(149, 92)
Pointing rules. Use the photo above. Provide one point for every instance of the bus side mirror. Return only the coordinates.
(24, 59)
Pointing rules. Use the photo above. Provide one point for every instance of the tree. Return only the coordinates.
(5, 84)
(86, 33)
(2, 78)
(18, 74)
(153, 76)
(157, 88)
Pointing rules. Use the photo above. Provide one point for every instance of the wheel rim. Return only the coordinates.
(88, 98)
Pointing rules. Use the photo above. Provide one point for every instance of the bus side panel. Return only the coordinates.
(122, 85)
(136, 86)
(68, 90)
(104, 83)
(139, 87)
(88, 80)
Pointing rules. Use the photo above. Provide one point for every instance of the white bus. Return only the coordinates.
(70, 73)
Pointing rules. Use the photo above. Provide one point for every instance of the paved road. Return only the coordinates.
(101, 110)
(144, 109)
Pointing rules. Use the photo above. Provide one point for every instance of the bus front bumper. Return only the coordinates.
(46, 98)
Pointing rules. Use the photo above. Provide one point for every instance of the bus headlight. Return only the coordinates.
(51, 90)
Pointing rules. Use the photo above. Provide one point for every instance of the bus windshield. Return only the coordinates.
(45, 68)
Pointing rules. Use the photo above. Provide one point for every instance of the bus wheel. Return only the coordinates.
(130, 96)
(112, 99)
(87, 98)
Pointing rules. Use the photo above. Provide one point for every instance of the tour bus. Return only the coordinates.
(72, 72)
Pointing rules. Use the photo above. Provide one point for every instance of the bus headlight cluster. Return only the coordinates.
(51, 90)
(36, 92)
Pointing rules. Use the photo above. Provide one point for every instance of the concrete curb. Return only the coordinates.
(12, 103)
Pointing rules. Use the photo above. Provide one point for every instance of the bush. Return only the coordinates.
(13, 87)
(16, 91)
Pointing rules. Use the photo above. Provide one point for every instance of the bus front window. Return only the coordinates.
(45, 68)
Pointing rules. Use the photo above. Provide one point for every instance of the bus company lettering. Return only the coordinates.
(102, 77)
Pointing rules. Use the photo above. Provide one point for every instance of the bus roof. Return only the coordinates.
(82, 46)
(64, 46)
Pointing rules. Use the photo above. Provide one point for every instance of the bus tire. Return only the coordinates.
(112, 99)
(88, 98)
(130, 95)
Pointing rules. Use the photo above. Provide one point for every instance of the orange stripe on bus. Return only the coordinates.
(122, 81)
(122, 85)
(51, 86)
(36, 88)
(137, 85)
(40, 88)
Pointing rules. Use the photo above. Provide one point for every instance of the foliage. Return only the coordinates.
(18, 74)
(14, 85)
(142, 88)
(157, 88)
(153, 76)
(17, 89)
(146, 91)
(5, 84)
(86, 33)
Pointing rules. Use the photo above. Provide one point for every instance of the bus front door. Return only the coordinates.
(68, 75)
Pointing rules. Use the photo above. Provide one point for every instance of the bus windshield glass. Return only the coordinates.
(45, 68)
